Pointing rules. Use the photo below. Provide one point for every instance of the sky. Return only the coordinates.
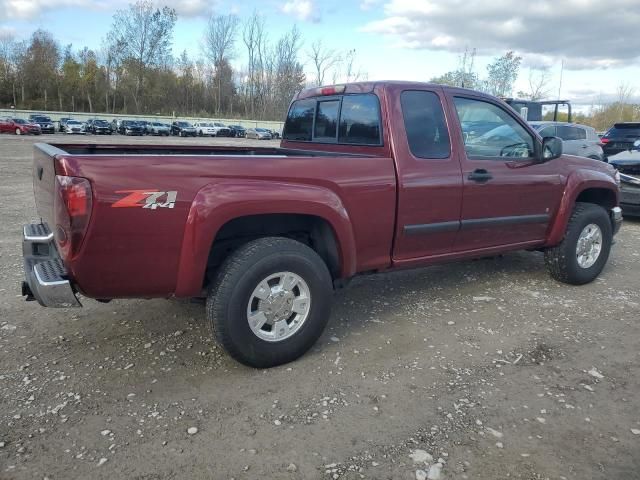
(593, 46)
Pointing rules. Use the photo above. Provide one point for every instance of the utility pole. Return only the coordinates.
(561, 72)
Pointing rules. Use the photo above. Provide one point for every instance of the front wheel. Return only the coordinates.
(584, 251)
(18, 131)
(270, 301)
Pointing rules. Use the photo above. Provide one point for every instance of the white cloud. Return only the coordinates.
(585, 33)
(31, 9)
(303, 10)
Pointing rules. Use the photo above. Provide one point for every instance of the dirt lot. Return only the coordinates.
(488, 367)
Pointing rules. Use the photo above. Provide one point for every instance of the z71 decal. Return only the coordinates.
(150, 199)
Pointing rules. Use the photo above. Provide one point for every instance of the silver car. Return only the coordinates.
(258, 133)
(579, 140)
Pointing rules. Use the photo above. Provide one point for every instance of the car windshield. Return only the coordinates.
(41, 119)
(101, 122)
(20, 121)
(261, 130)
(184, 124)
(73, 122)
(218, 124)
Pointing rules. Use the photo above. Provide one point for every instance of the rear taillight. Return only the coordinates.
(333, 90)
(604, 141)
(72, 206)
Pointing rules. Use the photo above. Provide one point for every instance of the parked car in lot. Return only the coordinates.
(580, 140)
(98, 127)
(130, 127)
(19, 126)
(205, 129)
(620, 137)
(44, 122)
(74, 127)
(145, 126)
(158, 128)
(628, 164)
(62, 123)
(237, 131)
(369, 177)
(183, 129)
(274, 133)
(221, 130)
(258, 133)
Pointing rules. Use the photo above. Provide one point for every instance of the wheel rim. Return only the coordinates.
(18, 132)
(589, 245)
(279, 306)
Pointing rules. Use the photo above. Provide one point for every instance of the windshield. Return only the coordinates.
(73, 122)
(184, 124)
(41, 119)
(100, 122)
(20, 121)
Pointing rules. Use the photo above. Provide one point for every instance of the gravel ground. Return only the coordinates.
(482, 370)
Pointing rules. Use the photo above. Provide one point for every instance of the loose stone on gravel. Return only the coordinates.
(192, 430)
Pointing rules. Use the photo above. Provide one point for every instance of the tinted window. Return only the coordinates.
(326, 120)
(571, 133)
(489, 131)
(358, 117)
(360, 120)
(300, 120)
(424, 123)
(548, 131)
(620, 130)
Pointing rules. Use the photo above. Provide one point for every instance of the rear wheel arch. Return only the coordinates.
(311, 230)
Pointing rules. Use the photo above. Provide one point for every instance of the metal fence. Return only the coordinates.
(84, 116)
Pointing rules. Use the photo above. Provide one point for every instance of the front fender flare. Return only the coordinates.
(577, 182)
(217, 203)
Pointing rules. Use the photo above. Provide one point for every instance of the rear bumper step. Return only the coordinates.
(45, 275)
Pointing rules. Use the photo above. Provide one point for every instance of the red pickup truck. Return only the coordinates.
(369, 177)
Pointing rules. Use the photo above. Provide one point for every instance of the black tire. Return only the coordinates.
(561, 260)
(234, 284)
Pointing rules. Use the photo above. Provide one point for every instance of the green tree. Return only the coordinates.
(502, 74)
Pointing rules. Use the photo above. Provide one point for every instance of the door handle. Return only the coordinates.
(480, 175)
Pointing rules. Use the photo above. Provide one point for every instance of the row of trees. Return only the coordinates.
(135, 72)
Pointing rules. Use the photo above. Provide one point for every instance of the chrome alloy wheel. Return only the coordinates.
(589, 245)
(279, 306)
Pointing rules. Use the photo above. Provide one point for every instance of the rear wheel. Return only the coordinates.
(270, 301)
(584, 251)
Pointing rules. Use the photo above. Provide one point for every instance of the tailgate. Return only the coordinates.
(44, 177)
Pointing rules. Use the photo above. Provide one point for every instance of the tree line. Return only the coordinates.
(134, 71)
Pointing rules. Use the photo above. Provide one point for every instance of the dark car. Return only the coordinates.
(620, 137)
(628, 165)
(274, 133)
(19, 126)
(146, 126)
(237, 131)
(44, 122)
(98, 127)
(183, 129)
(130, 127)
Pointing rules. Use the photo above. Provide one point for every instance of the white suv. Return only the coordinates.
(205, 129)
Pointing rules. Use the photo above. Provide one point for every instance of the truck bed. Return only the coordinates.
(137, 251)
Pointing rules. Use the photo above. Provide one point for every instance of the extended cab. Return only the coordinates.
(369, 177)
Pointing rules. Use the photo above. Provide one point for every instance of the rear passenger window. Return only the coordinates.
(424, 123)
(348, 119)
(360, 120)
(571, 133)
(327, 120)
(548, 132)
(300, 120)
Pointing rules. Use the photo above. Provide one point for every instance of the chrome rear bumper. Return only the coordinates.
(45, 275)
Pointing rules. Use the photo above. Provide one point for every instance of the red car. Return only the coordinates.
(19, 126)
(369, 177)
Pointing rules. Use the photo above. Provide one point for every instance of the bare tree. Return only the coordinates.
(539, 83)
(252, 36)
(142, 37)
(219, 46)
(323, 60)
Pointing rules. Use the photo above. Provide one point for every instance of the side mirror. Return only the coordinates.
(551, 148)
